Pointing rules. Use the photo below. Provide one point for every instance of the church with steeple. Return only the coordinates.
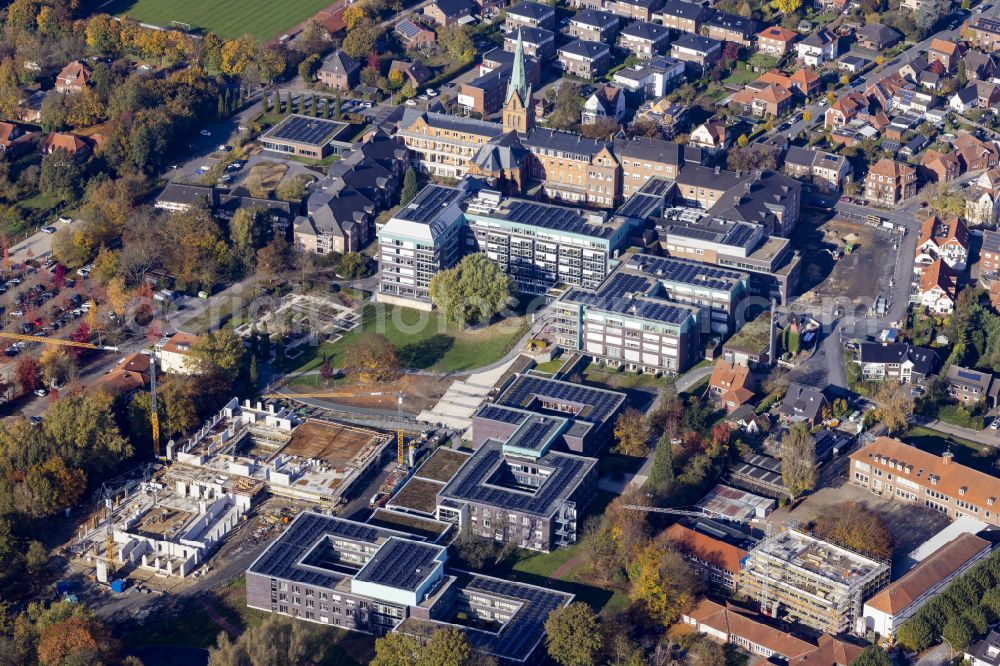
(518, 109)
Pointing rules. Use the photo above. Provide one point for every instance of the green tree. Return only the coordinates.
(798, 460)
(37, 557)
(915, 634)
(249, 230)
(447, 647)
(742, 141)
(308, 67)
(61, 175)
(567, 106)
(219, 354)
(361, 40)
(473, 291)
(351, 266)
(572, 635)
(395, 649)
(372, 359)
(661, 473)
(409, 186)
(872, 656)
(958, 633)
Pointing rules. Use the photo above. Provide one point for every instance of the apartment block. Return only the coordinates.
(540, 245)
(424, 237)
(643, 158)
(594, 25)
(889, 182)
(359, 577)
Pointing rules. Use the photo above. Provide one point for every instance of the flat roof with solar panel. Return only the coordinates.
(304, 130)
(554, 218)
(582, 403)
(686, 272)
(675, 314)
(490, 478)
(402, 564)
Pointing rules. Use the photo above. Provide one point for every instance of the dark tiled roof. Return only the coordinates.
(654, 150)
(685, 10)
(595, 18)
(924, 360)
(733, 23)
(646, 31)
(585, 49)
(532, 10)
(531, 35)
(453, 7)
(697, 43)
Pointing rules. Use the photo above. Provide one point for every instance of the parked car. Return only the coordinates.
(41, 392)
(205, 132)
(66, 220)
(48, 230)
(995, 425)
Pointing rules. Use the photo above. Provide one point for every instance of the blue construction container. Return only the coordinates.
(118, 585)
(63, 587)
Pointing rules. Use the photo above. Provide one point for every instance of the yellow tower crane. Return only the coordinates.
(341, 393)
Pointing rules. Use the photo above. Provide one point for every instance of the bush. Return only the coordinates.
(961, 416)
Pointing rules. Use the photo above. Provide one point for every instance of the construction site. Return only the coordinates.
(170, 520)
(798, 577)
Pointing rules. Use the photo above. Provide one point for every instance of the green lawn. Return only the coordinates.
(551, 367)
(228, 18)
(740, 77)
(621, 379)
(423, 340)
(969, 453)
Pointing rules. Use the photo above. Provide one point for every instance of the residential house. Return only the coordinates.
(943, 239)
(653, 78)
(971, 386)
(339, 71)
(980, 66)
(819, 47)
(701, 52)
(803, 403)
(414, 35)
(594, 25)
(670, 117)
(128, 376)
(711, 135)
(71, 143)
(913, 146)
(937, 288)
(911, 70)
(802, 81)
(887, 610)
(988, 94)
(14, 139)
(877, 37)
(639, 10)
(976, 154)
(538, 43)
(727, 27)
(852, 63)
(985, 652)
(889, 182)
(775, 40)
(29, 109)
(845, 109)
(731, 384)
(684, 16)
(982, 205)
(449, 12)
(940, 167)
(73, 78)
(989, 253)
(415, 73)
(771, 100)
(175, 356)
(587, 60)
(985, 33)
(882, 90)
(605, 102)
(828, 170)
(644, 39)
(528, 14)
(965, 99)
(713, 549)
(945, 52)
(911, 100)
(895, 361)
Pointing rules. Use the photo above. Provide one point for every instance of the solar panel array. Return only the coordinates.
(652, 310)
(533, 435)
(516, 640)
(501, 414)
(400, 563)
(686, 272)
(470, 483)
(987, 23)
(970, 376)
(301, 129)
(408, 29)
(603, 404)
(280, 559)
(991, 241)
(739, 235)
(641, 206)
(553, 217)
(625, 283)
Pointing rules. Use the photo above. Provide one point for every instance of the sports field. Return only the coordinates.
(264, 19)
